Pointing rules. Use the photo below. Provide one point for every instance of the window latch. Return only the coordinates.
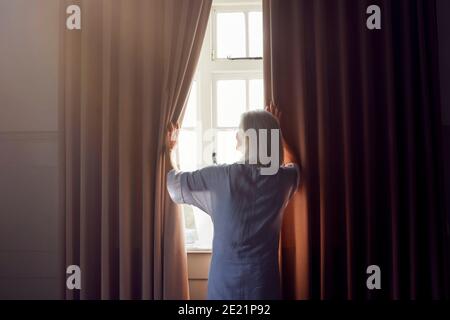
(244, 58)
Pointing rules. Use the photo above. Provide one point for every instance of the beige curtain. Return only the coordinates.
(124, 76)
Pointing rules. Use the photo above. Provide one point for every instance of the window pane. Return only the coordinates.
(226, 147)
(256, 94)
(187, 150)
(255, 31)
(191, 235)
(204, 228)
(190, 115)
(231, 101)
(230, 35)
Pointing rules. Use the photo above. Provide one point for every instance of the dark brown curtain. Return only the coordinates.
(361, 110)
(124, 76)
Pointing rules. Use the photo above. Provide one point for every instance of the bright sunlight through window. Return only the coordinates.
(228, 82)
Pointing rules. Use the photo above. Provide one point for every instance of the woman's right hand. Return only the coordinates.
(172, 136)
(289, 153)
(273, 109)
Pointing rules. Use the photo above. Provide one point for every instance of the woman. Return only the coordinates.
(246, 209)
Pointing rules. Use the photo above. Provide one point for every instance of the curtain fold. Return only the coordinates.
(126, 75)
(361, 111)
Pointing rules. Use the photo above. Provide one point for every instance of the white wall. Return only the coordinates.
(29, 238)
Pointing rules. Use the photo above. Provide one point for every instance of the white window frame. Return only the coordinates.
(246, 76)
(210, 69)
(231, 8)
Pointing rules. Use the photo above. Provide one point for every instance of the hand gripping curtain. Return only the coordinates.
(124, 76)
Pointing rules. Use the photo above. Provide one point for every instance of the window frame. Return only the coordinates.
(232, 8)
(211, 69)
(246, 76)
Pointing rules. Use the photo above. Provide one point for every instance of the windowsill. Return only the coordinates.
(198, 250)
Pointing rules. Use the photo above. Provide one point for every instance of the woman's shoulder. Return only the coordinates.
(216, 170)
(288, 167)
(292, 170)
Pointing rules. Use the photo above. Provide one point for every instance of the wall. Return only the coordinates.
(29, 260)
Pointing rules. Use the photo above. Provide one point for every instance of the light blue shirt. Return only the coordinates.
(246, 210)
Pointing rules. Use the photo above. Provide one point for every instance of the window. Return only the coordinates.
(233, 94)
(228, 82)
(238, 32)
